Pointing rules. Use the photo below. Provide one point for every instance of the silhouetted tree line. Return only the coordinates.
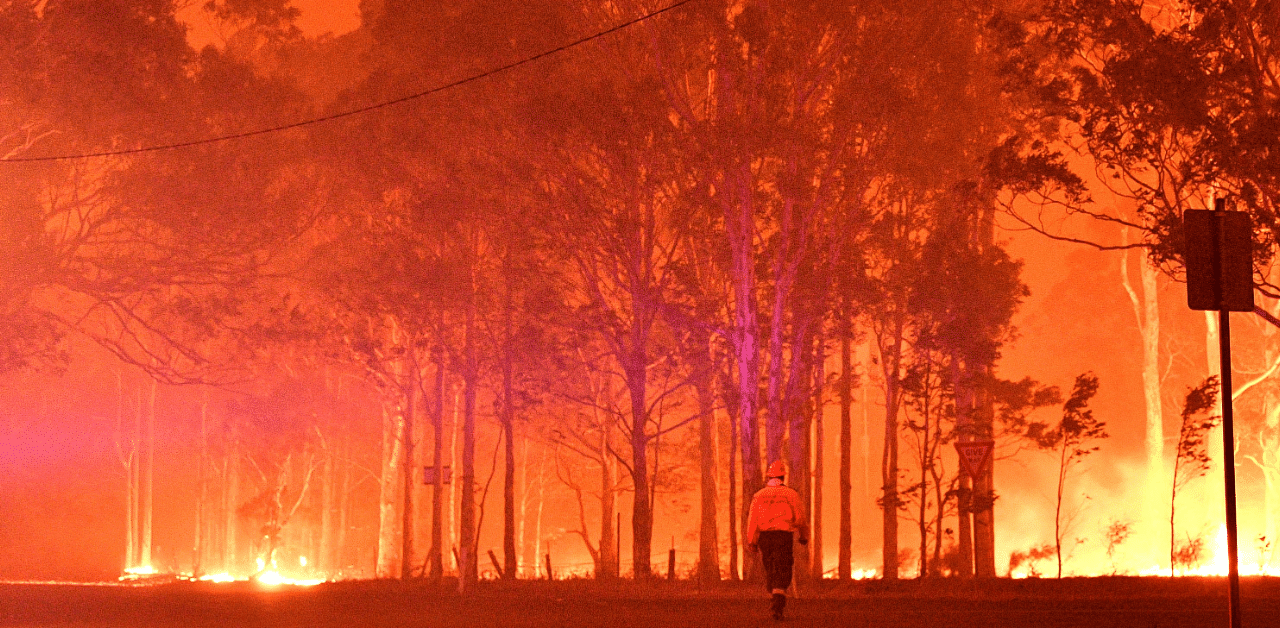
(654, 253)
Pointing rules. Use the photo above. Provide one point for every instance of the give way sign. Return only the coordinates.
(975, 455)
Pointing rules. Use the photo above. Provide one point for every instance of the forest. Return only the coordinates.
(485, 290)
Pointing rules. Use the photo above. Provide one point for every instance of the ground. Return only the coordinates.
(1095, 602)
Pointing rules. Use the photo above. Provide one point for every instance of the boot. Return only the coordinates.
(779, 603)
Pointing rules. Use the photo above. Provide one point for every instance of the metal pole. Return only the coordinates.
(1229, 465)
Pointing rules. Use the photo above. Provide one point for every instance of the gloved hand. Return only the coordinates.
(804, 540)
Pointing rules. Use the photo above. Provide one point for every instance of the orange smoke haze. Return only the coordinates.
(71, 443)
(316, 18)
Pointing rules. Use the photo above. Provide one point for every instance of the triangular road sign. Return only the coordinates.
(974, 455)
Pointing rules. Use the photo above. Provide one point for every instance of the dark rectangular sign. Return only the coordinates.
(429, 475)
(1219, 260)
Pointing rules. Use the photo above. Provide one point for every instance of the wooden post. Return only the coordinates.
(547, 559)
(671, 560)
(496, 565)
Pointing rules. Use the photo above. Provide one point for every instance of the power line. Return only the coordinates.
(360, 110)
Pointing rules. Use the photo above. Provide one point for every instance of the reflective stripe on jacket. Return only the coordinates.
(776, 508)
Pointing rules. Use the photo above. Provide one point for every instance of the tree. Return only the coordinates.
(596, 415)
(1168, 101)
(281, 436)
(614, 209)
(1192, 458)
(1074, 439)
(926, 391)
(140, 265)
(1172, 99)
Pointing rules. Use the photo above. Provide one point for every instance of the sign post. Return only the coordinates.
(1219, 263)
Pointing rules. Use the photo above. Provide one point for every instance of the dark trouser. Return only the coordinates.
(775, 549)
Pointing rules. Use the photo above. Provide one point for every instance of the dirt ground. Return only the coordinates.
(1096, 603)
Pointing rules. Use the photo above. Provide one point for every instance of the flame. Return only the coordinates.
(273, 578)
(138, 573)
(1252, 562)
(217, 577)
(863, 574)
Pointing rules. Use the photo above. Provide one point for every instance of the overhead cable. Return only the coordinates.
(359, 110)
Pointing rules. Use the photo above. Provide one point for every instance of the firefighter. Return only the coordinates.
(776, 521)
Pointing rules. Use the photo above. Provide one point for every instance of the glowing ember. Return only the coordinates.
(217, 577)
(863, 574)
(274, 578)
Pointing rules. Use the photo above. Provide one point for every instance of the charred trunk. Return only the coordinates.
(844, 557)
(708, 546)
(436, 556)
(467, 562)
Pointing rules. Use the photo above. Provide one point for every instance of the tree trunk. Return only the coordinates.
(507, 418)
(734, 572)
(799, 455)
(818, 458)
(343, 503)
(327, 560)
(964, 425)
(1269, 439)
(844, 558)
(609, 558)
(889, 460)
(939, 517)
(230, 502)
(523, 518)
(148, 478)
(509, 560)
(799, 411)
(408, 467)
(392, 454)
(740, 228)
(451, 550)
(542, 500)
(984, 531)
(436, 557)
(1213, 500)
(923, 571)
(868, 488)
(468, 566)
(641, 514)
(128, 459)
(708, 547)
(202, 489)
(1146, 310)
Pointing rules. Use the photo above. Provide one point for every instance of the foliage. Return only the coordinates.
(1074, 438)
(1116, 533)
(1030, 558)
(1175, 101)
(1192, 455)
(1192, 460)
(1188, 555)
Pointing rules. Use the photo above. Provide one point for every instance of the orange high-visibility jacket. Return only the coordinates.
(776, 508)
